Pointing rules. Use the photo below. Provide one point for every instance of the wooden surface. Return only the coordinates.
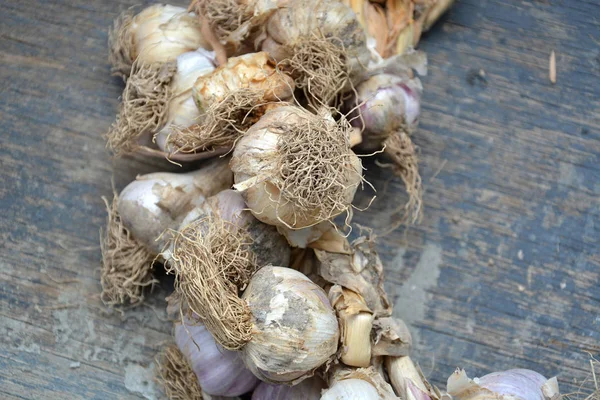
(504, 270)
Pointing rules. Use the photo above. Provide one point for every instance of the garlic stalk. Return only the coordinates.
(157, 34)
(356, 267)
(296, 169)
(219, 372)
(514, 384)
(156, 202)
(391, 337)
(362, 383)
(308, 389)
(229, 100)
(156, 96)
(356, 322)
(294, 328)
(387, 109)
(320, 43)
(408, 380)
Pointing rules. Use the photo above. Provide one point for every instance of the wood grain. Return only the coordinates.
(504, 270)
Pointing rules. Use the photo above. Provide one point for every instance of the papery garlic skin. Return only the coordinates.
(183, 112)
(159, 201)
(220, 372)
(308, 389)
(162, 32)
(514, 384)
(294, 327)
(257, 173)
(353, 389)
(385, 104)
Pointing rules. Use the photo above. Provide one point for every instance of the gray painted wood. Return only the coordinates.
(504, 270)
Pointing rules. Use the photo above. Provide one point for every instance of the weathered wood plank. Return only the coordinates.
(504, 270)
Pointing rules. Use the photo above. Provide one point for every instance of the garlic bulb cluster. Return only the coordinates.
(159, 201)
(295, 169)
(294, 328)
(220, 372)
(361, 383)
(517, 384)
(308, 389)
(157, 34)
(385, 104)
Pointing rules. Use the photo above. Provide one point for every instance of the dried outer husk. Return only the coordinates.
(408, 380)
(356, 322)
(157, 34)
(229, 101)
(369, 375)
(391, 337)
(515, 384)
(360, 271)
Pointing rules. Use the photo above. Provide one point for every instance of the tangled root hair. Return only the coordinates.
(212, 262)
(316, 166)
(144, 105)
(225, 16)
(176, 375)
(401, 150)
(221, 124)
(120, 45)
(126, 263)
(318, 65)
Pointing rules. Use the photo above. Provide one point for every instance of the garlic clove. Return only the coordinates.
(294, 327)
(352, 389)
(518, 384)
(356, 322)
(406, 379)
(361, 383)
(220, 372)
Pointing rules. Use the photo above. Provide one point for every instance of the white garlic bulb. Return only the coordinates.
(358, 384)
(294, 328)
(351, 389)
(157, 34)
(220, 372)
(308, 389)
(159, 201)
(514, 384)
(183, 112)
(295, 169)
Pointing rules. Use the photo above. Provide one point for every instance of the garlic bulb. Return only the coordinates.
(220, 372)
(295, 169)
(229, 100)
(320, 42)
(356, 322)
(294, 328)
(182, 110)
(157, 34)
(156, 202)
(517, 384)
(308, 389)
(355, 384)
(386, 104)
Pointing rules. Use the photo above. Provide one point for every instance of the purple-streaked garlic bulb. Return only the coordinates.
(385, 104)
(309, 389)
(514, 384)
(220, 372)
(156, 202)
